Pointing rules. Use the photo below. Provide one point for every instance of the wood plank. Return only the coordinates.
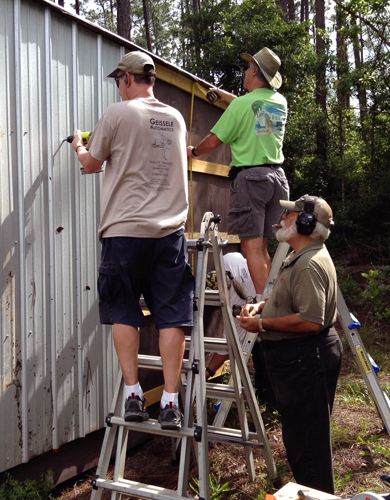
(184, 83)
(207, 167)
(232, 238)
(154, 395)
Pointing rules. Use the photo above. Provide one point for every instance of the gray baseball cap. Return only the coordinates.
(322, 210)
(134, 63)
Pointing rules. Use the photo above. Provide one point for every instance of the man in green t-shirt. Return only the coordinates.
(253, 125)
(301, 349)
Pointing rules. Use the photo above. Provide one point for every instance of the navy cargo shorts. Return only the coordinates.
(158, 269)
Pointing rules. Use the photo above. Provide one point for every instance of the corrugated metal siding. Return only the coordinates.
(58, 365)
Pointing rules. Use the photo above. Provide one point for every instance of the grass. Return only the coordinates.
(353, 391)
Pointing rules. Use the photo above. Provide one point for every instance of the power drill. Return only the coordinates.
(85, 136)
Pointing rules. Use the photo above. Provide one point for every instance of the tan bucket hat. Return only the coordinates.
(269, 63)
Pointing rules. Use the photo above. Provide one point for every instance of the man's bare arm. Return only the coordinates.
(90, 164)
(208, 144)
(290, 323)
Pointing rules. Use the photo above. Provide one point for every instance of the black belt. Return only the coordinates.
(234, 171)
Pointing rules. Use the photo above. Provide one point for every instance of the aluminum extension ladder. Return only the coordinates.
(195, 432)
(351, 329)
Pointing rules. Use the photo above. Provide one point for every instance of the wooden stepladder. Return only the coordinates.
(195, 430)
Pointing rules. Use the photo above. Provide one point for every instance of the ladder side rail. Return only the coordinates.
(197, 381)
(236, 353)
(233, 346)
(121, 449)
(280, 254)
(363, 362)
(109, 437)
(190, 392)
(225, 405)
(277, 261)
(252, 402)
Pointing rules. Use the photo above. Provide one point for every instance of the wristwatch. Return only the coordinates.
(77, 149)
(193, 152)
(261, 328)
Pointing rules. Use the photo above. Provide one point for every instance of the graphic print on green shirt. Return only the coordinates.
(254, 126)
(270, 118)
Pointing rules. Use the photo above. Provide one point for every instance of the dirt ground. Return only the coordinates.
(361, 450)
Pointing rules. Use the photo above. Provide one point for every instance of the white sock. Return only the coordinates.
(134, 389)
(168, 397)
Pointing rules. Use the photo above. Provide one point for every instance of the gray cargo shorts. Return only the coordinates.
(254, 201)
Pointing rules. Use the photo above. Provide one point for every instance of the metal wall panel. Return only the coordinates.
(10, 423)
(58, 365)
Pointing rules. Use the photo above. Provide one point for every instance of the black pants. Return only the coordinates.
(303, 374)
(263, 385)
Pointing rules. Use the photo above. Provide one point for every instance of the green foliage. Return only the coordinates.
(372, 447)
(103, 13)
(341, 434)
(342, 481)
(28, 489)
(374, 293)
(217, 489)
(353, 391)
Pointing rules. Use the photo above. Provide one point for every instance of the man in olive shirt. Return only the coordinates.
(301, 348)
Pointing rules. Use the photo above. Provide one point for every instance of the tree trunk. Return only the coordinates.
(305, 11)
(342, 55)
(343, 98)
(288, 7)
(361, 92)
(124, 19)
(196, 5)
(145, 4)
(321, 133)
(291, 10)
(283, 5)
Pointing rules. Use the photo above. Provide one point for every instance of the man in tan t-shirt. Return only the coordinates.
(302, 350)
(144, 206)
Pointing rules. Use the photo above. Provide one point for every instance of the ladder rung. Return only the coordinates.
(154, 362)
(212, 298)
(232, 436)
(211, 344)
(219, 391)
(140, 490)
(152, 426)
(193, 244)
